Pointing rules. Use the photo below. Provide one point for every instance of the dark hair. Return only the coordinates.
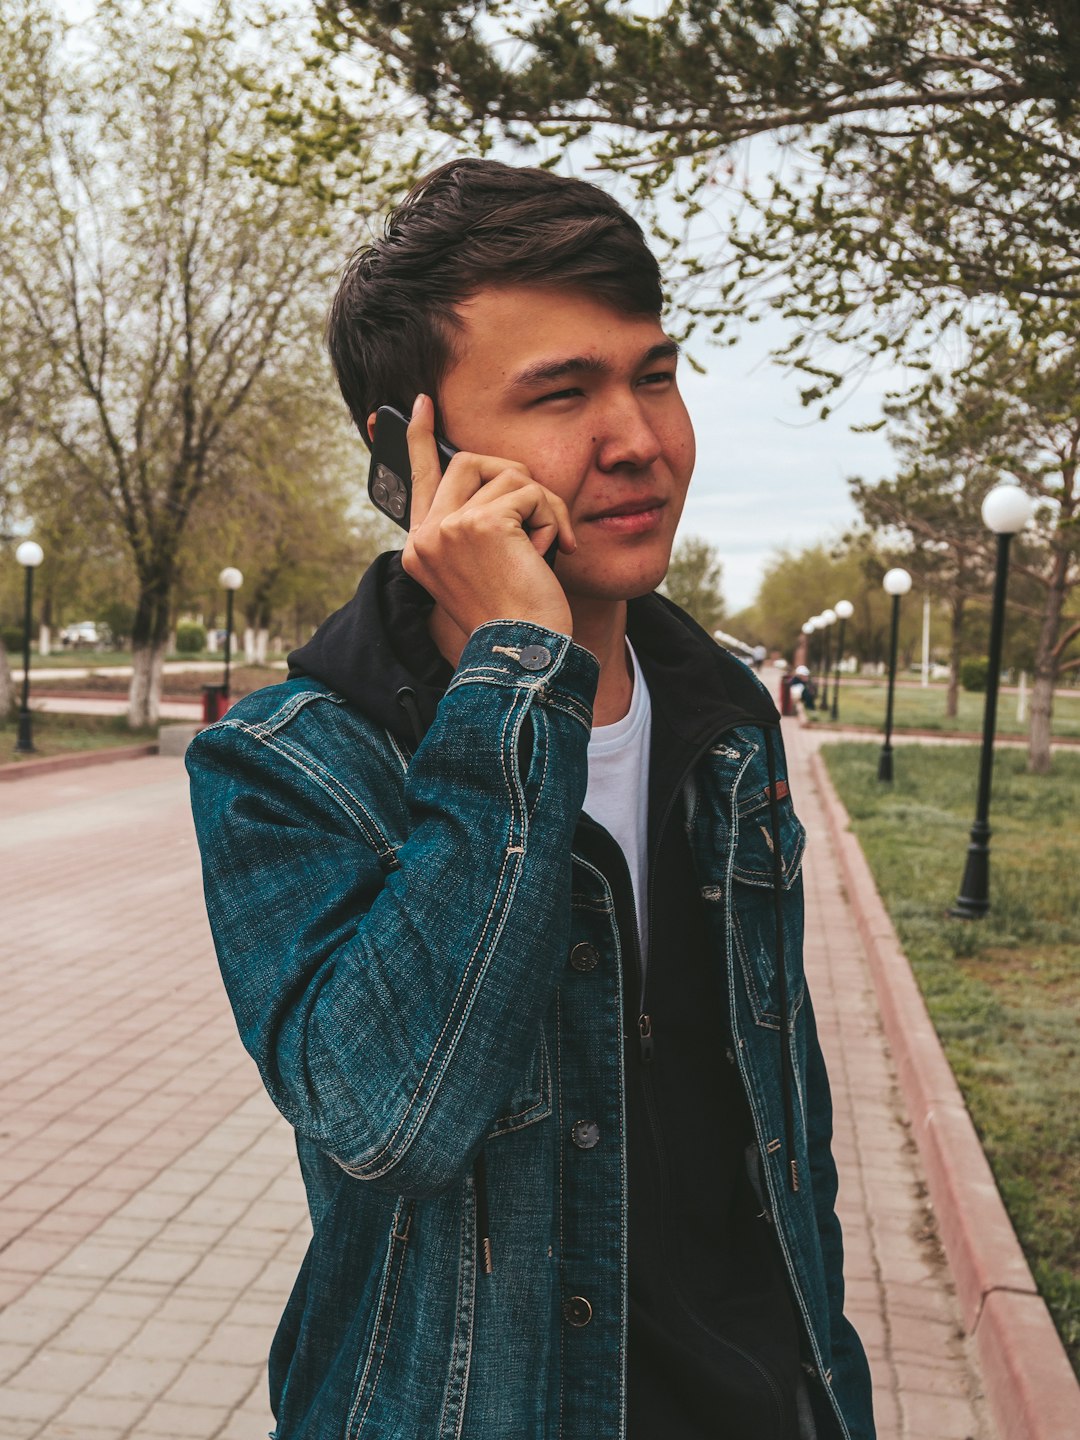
(469, 224)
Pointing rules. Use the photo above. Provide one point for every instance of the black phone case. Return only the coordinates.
(390, 473)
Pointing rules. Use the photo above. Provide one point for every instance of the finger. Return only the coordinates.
(424, 459)
(540, 513)
(465, 476)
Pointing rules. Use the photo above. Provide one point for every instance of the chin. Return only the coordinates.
(622, 582)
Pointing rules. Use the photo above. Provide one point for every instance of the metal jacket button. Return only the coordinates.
(577, 1311)
(584, 956)
(534, 657)
(585, 1134)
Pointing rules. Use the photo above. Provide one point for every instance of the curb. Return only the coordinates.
(1030, 1384)
(26, 769)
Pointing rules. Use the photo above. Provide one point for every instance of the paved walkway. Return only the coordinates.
(152, 1216)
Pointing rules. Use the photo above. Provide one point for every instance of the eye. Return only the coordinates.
(657, 377)
(560, 395)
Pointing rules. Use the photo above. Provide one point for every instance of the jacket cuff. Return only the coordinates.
(517, 655)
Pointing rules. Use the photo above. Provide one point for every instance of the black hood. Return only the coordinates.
(379, 644)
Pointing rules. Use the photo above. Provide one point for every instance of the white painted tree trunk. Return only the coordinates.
(249, 645)
(262, 641)
(44, 643)
(144, 697)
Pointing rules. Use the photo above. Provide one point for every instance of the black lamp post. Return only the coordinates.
(1006, 510)
(896, 582)
(828, 620)
(230, 579)
(844, 612)
(29, 555)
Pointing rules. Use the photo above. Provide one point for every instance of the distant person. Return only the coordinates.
(505, 883)
(803, 687)
(760, 654)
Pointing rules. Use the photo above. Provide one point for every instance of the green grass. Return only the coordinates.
(924, 709)
(60, 734)
(1004, 991)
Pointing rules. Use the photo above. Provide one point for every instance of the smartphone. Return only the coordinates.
(390, 476)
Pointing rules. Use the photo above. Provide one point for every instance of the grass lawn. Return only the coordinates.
(924, 709)
(1004, 991)
(59, 734)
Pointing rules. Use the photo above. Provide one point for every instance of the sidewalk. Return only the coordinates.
(153, 1219)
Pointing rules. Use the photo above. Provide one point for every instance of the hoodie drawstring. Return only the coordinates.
(406, 698)
(786, 1078)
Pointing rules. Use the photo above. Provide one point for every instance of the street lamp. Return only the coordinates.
(828, 619)
(230, 579)
(844, 612)
(29, 555)
(896, 582)
(1006, 510)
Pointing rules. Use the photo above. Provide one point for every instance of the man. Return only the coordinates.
(505, 885)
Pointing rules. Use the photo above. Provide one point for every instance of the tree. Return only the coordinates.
(932, 506)
(798, 584)
(926, 149)
(693, 581)
(164, 287)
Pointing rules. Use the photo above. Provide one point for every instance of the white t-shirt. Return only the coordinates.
(618, 792)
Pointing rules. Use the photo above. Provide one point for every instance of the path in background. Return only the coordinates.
(152, 1214)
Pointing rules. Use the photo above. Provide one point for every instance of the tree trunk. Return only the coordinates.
(1046, 668)
(144, 697)
(7, 685)
(956, 638)
(149, 641)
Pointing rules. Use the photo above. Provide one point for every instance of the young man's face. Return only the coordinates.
(585, 397)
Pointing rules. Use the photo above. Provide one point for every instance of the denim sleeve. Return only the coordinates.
(392, 994)
(849, 1377)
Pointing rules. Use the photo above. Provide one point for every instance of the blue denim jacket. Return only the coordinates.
(394, 935)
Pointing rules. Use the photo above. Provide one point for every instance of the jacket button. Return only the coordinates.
(577, 1311)
(584, 956)
(585, 1134)
(534, 657)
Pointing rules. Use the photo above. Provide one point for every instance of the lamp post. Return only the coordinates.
(844, 611)
(896, 582)
(230, 579)
(828, 620)
(29, 555)
(1006, 510)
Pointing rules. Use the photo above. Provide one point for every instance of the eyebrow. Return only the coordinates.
(544, 372)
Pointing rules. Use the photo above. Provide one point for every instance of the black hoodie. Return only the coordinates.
(713, 1340)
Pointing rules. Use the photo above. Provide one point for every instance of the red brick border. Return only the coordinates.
(1030, 1383)
(24, 769)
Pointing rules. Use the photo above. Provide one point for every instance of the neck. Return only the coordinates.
(599, 626)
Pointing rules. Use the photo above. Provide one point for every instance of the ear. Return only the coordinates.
(371, 426)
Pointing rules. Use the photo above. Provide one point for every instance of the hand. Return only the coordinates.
(479, 534)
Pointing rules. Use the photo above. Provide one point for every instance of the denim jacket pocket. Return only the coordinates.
(753, 914)
(531, 1100)
(386, 1308)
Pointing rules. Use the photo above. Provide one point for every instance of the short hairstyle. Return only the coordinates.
(469, 224)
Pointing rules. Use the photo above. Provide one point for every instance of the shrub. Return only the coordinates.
(12, 636)
(973, 673)
(190, 638)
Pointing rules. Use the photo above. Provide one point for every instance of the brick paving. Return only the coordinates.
(152, 1214)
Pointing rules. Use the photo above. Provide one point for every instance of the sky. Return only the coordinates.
(769, 475)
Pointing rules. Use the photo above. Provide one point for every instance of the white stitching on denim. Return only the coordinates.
(387, 1265)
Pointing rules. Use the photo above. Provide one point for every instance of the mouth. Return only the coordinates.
(632, 517)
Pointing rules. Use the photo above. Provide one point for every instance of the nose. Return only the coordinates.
(629, 440)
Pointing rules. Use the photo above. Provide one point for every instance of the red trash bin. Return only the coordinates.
(787, 705)
(215, 701)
